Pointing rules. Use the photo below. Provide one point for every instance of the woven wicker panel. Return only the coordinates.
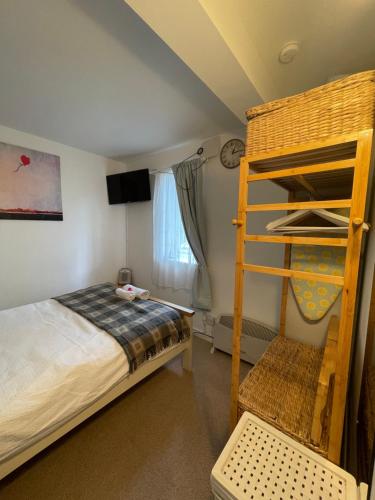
(340, 107)
(281, 388)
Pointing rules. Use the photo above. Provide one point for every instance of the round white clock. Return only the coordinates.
(231, 153)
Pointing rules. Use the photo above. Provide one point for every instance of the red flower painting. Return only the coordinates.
(30, 184)
(24, 161)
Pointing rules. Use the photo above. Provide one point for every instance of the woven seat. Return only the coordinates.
(281, 389)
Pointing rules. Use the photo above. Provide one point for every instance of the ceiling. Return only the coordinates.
(124, 77)
(93, 75)
(336, 37)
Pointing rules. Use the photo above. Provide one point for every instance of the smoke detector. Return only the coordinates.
(288, 52)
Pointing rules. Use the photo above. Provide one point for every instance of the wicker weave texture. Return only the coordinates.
(281, 388)
(341, 107)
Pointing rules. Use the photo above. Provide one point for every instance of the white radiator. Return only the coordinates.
(255, 338)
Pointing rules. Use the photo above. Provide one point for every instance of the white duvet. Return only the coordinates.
(53, 363)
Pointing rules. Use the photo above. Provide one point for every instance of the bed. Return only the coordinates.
(58, 368)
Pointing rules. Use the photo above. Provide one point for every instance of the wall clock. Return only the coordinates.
(231, 153)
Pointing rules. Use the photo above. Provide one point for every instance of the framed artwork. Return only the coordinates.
(30, 184)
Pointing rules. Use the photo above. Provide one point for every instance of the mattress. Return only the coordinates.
(53, 364)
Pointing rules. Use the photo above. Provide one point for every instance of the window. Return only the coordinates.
(174, 262)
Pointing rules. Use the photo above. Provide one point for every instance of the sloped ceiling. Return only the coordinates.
(91, 74)
(122, 77)
(336, 37)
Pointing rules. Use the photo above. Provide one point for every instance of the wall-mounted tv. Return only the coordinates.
(129, 187)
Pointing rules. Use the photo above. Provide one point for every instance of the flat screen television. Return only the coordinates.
(129, 187)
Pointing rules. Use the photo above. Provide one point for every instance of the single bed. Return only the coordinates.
(57, 369)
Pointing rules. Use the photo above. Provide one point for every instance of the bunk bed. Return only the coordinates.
(317, 146)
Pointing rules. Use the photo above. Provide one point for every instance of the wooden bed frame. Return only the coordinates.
(185, 348)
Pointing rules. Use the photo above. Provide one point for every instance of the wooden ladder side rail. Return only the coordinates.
(284, 291)
(285, 284)
(240, 224)
(360, 182)
(302, 170)
(322, 408)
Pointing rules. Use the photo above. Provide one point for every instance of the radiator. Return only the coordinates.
(255, 338)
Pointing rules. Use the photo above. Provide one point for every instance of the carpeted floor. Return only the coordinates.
(158, 442)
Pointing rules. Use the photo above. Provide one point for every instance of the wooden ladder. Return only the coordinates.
(360, 162)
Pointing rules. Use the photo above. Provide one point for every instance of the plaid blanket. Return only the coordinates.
(143, 328)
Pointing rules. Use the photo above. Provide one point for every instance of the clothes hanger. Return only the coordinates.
(285, 224)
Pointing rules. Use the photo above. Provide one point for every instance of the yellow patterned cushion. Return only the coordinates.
(315, 298)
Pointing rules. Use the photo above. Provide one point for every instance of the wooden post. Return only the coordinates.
(240, 223)
(360, 181)
(285, 285)
(187, 360)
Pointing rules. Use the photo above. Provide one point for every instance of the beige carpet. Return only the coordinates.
(158, 441)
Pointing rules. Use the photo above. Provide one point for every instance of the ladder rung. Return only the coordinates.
(298, 240)
(303, 170)
(292, 273)
(301, 205)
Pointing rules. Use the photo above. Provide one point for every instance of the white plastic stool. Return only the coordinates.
(260, 462)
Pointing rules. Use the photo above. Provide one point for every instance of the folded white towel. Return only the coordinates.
(124, 294)
(140, 293)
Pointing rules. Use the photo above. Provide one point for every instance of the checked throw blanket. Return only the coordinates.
(143, 328)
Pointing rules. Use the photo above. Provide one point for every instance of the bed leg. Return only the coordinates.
(187, 360)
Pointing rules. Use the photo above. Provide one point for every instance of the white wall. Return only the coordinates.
(309, 333)
(220, 197)
(40, 259)
(262, 293)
